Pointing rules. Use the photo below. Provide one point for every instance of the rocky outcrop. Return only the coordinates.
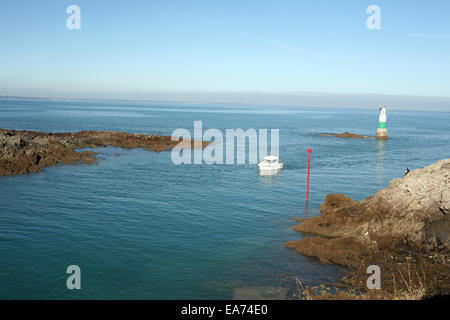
(28, 151)
(346, 135)
(412, 213)
(404, 229)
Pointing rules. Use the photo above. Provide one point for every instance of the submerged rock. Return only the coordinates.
(347, 135)
(260, 293)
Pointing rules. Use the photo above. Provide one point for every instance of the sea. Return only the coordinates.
(140, 226)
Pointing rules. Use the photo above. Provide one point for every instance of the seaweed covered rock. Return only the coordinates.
(412, 213)
(28, 151)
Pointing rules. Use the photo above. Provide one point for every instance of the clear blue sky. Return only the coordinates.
(133, 48)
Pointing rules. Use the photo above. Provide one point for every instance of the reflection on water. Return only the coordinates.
(379, 166)
(269, 177)
(306, 213)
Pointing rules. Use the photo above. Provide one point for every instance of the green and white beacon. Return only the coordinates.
(382, 129)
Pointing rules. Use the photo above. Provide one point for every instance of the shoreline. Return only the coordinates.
(404, 229)
(29, 151)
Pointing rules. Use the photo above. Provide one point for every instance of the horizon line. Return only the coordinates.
(233, 101)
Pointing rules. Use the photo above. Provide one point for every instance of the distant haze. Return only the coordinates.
(306, 99)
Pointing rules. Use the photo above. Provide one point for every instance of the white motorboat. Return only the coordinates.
(270, 165)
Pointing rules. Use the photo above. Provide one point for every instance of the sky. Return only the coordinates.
(279, 52)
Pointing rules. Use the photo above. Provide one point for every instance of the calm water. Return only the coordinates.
(141, 227)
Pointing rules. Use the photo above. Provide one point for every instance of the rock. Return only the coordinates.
(346, 135)
(28, 151)
(413, 208)
(340, 216)
(343, 251)
(410, 214)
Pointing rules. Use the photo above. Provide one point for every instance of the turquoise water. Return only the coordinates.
(141, 227)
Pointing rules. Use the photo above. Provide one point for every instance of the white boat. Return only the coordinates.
(270, 165)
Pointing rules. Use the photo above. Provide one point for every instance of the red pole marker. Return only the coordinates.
(307, 183)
